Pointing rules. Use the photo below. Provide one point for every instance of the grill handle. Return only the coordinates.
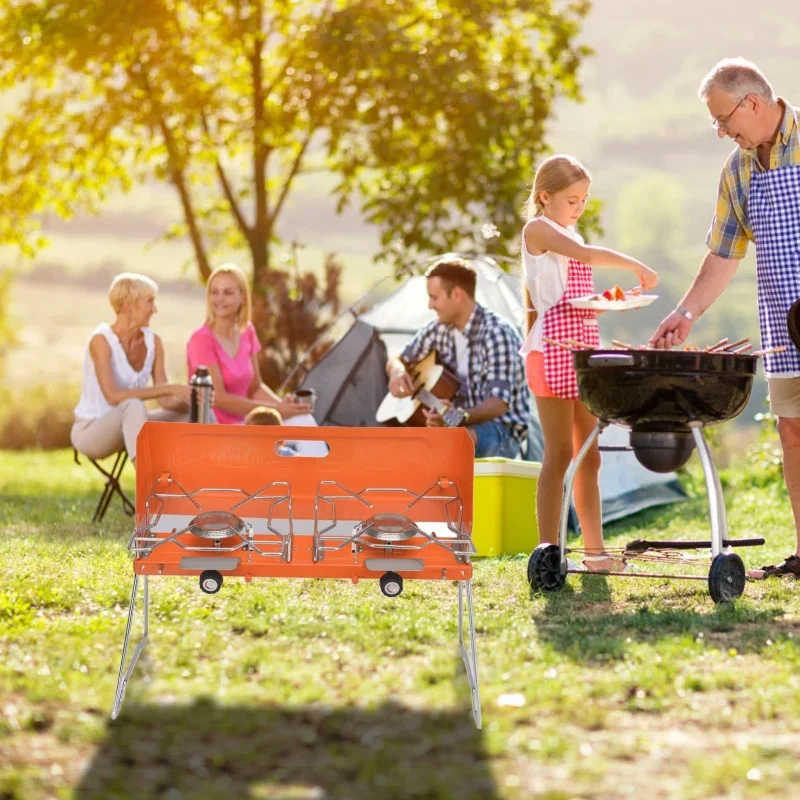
(611, 360)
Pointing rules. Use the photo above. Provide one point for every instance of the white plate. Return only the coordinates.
(631, 301)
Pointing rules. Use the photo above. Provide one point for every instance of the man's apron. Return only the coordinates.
(774, 212)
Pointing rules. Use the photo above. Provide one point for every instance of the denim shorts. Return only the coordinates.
(494, 439)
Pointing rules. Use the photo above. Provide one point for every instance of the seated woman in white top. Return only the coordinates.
(120, 361)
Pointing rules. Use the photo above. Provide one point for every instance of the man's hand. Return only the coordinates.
(433, 419)
(401, 385)
(672, 332)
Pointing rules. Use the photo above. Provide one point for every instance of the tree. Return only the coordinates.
(433, 114)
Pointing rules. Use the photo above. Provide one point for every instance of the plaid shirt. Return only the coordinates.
(495, 366)
(730, 229)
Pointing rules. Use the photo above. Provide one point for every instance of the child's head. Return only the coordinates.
(263, 415)
(560, 189)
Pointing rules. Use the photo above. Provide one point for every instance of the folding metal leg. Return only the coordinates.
(124, 675)
(112, 486)
(569, 479)
(716, 501)
(470, 655)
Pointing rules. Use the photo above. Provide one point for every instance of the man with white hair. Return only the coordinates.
(758, 201)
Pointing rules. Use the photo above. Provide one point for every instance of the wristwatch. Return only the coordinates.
(465, 420)
(684, 312)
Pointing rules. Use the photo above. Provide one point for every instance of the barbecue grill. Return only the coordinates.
(665, 398)
(384, 504)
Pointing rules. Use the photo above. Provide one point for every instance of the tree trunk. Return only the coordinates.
(260, 258)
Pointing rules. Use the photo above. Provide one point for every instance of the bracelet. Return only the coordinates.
(684, 312)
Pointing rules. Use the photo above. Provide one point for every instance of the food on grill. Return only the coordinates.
(739, 347)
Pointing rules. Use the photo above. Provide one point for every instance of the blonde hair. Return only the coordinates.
(245, 310)
(263, 415)
(554, 174)
(130, 287)
(737, 77)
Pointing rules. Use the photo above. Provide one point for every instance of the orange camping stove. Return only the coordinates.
(388, 503)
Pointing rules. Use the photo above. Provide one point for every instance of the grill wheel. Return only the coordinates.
(726, 578)
(544, 569)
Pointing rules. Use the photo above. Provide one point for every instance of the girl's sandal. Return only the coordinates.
(789, 566)
(603, 563)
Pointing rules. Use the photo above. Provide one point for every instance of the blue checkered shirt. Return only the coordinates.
(495, 366)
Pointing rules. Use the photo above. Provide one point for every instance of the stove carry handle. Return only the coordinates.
(611, 360)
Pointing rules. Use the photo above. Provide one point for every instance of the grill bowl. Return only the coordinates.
(664, 390)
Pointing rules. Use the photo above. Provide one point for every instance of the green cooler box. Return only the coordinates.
(504, 506)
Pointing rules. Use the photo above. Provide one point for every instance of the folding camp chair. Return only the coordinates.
(112, 485)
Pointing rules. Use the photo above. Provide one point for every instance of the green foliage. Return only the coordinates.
(433, 114)
(766, 455)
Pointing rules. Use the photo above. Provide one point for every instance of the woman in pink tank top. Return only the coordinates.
(227, 344)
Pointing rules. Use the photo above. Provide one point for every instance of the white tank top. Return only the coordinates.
(93, 403)
(546, 279)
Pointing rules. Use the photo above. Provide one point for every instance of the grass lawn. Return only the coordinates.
(621, 687)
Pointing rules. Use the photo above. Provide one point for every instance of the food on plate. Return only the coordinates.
(614, 293)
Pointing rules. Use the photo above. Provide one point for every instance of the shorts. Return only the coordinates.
(494, 439)
(784, 396)
(534, 374)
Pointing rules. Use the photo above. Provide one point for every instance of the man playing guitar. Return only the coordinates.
(482, 349)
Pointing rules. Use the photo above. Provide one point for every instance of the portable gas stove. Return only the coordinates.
(666, 398)
(214, 500)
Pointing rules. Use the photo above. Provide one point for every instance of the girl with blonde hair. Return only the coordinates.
(120, 361)
(227, 344)
(557, 267)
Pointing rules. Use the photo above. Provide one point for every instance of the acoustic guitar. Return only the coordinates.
(434, 385)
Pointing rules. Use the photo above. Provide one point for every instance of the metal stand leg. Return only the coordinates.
(716, 502)
(124, 675)
(569, 479)
(470, 655)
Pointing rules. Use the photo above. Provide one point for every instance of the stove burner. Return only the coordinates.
(388, 527)
(216, 525)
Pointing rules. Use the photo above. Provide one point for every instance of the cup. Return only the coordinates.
(306, 396)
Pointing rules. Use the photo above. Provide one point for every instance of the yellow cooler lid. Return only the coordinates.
(494, 467)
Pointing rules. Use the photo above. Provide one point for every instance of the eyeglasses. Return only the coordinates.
(721, 123)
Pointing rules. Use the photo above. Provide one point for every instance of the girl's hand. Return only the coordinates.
(648, 278)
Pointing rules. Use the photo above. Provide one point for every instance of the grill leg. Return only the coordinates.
(469, 654)
(569, 479)
(124, 675)
(716, 502)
